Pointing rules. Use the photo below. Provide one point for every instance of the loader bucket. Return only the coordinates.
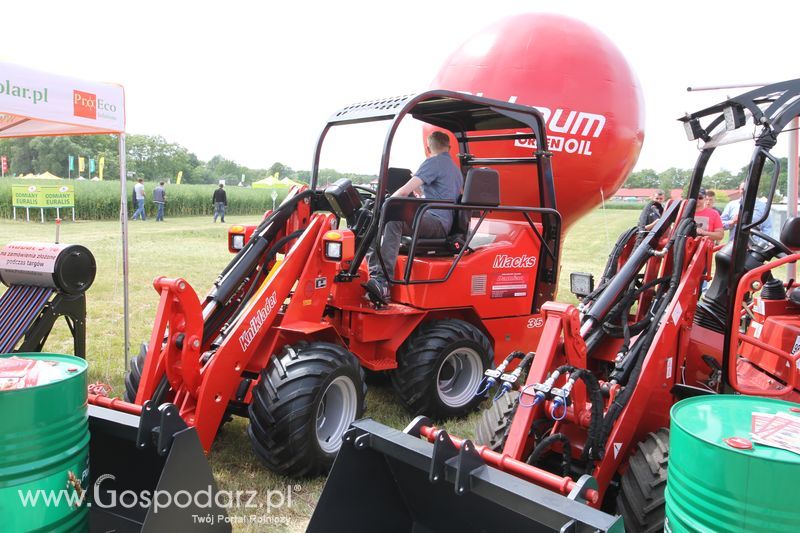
(390, 481)
(148, 472)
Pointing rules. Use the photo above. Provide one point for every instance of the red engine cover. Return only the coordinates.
(581, 82)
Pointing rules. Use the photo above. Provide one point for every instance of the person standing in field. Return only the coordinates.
(138, 193)
(652, 211)
(220, 202)
(709, 223)
(159, 198)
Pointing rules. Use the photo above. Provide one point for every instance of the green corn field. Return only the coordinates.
(100, 200)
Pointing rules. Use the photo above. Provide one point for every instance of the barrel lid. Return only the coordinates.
(28, 370)
(727, 418)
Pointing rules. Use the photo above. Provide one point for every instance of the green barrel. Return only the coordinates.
(44, 445)
(712, 486)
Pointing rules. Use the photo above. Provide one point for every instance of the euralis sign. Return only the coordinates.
(42, 196)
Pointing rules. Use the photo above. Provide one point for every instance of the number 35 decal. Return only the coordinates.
(535, 323)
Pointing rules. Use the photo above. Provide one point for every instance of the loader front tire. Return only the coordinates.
(439, 368)
(134, 377)
(640, 500)
(492, 429)
(306, 399)
(135, 374)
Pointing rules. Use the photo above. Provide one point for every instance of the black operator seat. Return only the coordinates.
(481, 189)
(790, 237)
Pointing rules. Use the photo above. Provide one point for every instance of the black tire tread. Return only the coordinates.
(641, 497)
(492, 429)
(135, 374)
(417, 359)
(282, 407)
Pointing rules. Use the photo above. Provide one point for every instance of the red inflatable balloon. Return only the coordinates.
(584, 87)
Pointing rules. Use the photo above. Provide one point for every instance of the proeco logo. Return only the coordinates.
(257, 321)
(508, 261)
(88, 105)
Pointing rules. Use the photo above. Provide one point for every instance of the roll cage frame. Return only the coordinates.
(465, 116)
(771, 108)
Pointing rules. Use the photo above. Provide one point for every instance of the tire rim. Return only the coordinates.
(335, 413)
(459, 376)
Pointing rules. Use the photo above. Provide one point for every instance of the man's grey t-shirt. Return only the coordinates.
(158, 195)
(442, 181)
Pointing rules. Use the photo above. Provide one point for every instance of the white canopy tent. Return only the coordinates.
(34, 103)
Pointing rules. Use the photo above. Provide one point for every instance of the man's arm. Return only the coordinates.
(727, 216)
(410, 186)
(715, 228)
(758, 211)
(715, 235)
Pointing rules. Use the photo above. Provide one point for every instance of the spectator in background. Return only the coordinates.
(220, 202)
(159, 198)
(652, 211)
(711, 198)
(709, 223)
(138, 193)
(730, 216)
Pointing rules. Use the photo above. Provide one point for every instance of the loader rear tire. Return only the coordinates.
(306, 399)
(640, 500)
(492, 429)
(439, 368)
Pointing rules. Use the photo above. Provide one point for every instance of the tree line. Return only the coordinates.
(678, 178)
(149, 156)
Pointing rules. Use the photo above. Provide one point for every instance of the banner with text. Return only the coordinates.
(39, 196)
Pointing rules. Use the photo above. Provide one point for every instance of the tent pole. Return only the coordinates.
(123, 215)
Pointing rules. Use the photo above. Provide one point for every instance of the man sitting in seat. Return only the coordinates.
(440, 179)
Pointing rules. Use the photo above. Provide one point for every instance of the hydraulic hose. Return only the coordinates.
(685, 228)
(593, 448)
(545, 444)
(268, 256)
(249, 256)
(612, 264)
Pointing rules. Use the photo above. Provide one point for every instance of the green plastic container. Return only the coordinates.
(712, 486)
(44, 448)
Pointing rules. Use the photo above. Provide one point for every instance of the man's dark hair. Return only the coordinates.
(161, 183)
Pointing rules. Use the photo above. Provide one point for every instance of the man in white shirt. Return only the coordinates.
(730, 216)
(138, 191)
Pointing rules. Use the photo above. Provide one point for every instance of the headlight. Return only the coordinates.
(581, 284)
(238, 242)
(333, 250)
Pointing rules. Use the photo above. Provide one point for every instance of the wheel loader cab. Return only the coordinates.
(748, 318)
(484, 262)
(499, 257)
(481, 190)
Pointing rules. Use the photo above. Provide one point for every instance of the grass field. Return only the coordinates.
(194, 248)
(99, 200)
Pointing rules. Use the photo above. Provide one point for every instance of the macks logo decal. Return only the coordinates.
(507, 261)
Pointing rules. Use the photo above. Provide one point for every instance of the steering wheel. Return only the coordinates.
(776, 244)
(367, 191)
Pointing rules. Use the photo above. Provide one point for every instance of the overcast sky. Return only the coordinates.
(255, 81)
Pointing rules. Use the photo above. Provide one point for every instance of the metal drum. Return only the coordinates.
(44, 443)
(70, 268)
(716, 482)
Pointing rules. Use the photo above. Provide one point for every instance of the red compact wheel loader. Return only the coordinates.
(285, 333)
(577, 438)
